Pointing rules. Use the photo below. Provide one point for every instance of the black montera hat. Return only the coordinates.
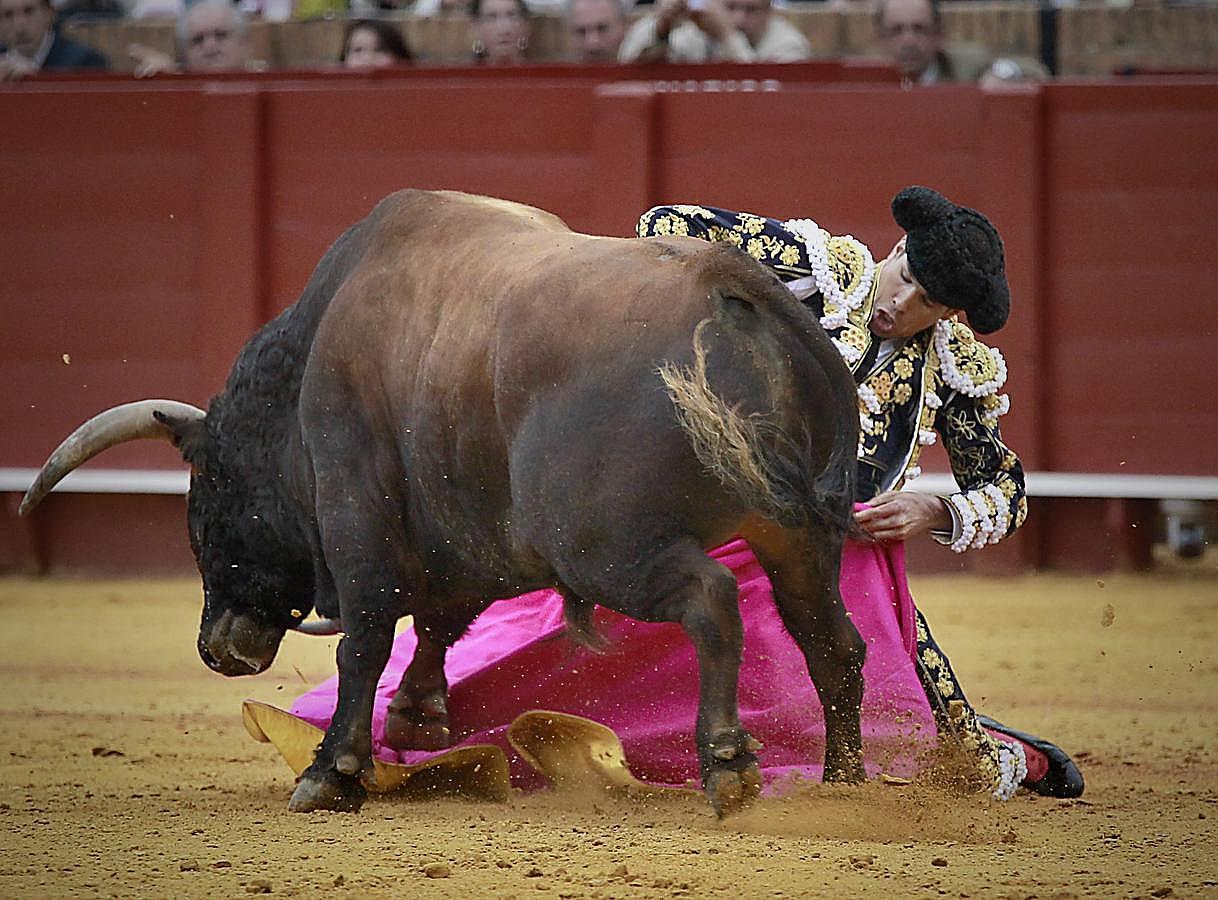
(956, 254)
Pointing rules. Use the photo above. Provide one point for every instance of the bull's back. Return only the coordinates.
(419, 304)
(475, 332)
(451, 281)
(465, 303)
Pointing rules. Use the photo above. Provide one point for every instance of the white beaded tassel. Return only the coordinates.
(1012, 769)
(838, 304)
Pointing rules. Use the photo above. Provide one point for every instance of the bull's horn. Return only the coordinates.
(322, 627)
(114, 426)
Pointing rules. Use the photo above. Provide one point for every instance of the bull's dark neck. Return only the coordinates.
(263, 388)
(254, 422)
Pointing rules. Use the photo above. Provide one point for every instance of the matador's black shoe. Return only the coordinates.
(1063, 779)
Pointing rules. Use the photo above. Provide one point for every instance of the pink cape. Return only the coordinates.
(644, 684)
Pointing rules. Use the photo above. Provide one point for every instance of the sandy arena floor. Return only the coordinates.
(125, 770)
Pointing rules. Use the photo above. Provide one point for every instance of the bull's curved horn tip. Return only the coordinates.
(320, 627)
(34, 495)
(116, 425)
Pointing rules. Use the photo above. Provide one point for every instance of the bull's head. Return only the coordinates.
(256, 582)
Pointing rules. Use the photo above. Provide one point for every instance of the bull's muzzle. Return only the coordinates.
(236, 644)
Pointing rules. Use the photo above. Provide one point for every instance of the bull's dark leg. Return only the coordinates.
(701, 594)
(417, 718)
(363, 552)
(344, 760)
(804, 570)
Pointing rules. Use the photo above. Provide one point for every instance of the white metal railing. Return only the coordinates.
(104, 481)
(1039, 484)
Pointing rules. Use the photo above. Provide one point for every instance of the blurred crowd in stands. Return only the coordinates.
(211, 35)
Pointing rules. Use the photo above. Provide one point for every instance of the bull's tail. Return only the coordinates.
(767, 467)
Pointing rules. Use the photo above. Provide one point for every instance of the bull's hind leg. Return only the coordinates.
(804, 571)
(417, 717)
(701, 594)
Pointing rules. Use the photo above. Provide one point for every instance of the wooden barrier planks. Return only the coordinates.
(153, 225)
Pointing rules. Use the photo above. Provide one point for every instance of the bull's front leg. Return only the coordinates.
(417, 718)
(343, 764)
(361, 541)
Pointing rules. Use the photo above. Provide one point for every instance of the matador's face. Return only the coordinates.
(902, 306)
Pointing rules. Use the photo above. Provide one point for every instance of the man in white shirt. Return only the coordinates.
(714, 30)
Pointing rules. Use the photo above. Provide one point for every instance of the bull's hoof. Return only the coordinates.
(730, 791)
(853, 776)
(424, 727)
(845, 771)
(334, 792)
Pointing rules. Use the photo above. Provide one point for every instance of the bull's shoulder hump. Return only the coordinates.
(473, 211)
(529, 215)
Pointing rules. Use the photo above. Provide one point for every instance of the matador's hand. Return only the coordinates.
(900, 515)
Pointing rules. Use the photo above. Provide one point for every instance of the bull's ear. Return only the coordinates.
(188, 434)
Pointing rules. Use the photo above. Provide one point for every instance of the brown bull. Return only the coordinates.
(470, 401)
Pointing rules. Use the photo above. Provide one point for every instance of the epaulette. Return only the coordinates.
(842, 266)
(967, 365)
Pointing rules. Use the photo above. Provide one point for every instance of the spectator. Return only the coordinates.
(30, 42)
(90, 10)
(703, 30)
(374, 44)
(211, 37)
(595, 29)
(501, 31)
(911, 35)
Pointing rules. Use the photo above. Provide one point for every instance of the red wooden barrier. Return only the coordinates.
(104, 253)
(151, 227)
(1131, 195)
